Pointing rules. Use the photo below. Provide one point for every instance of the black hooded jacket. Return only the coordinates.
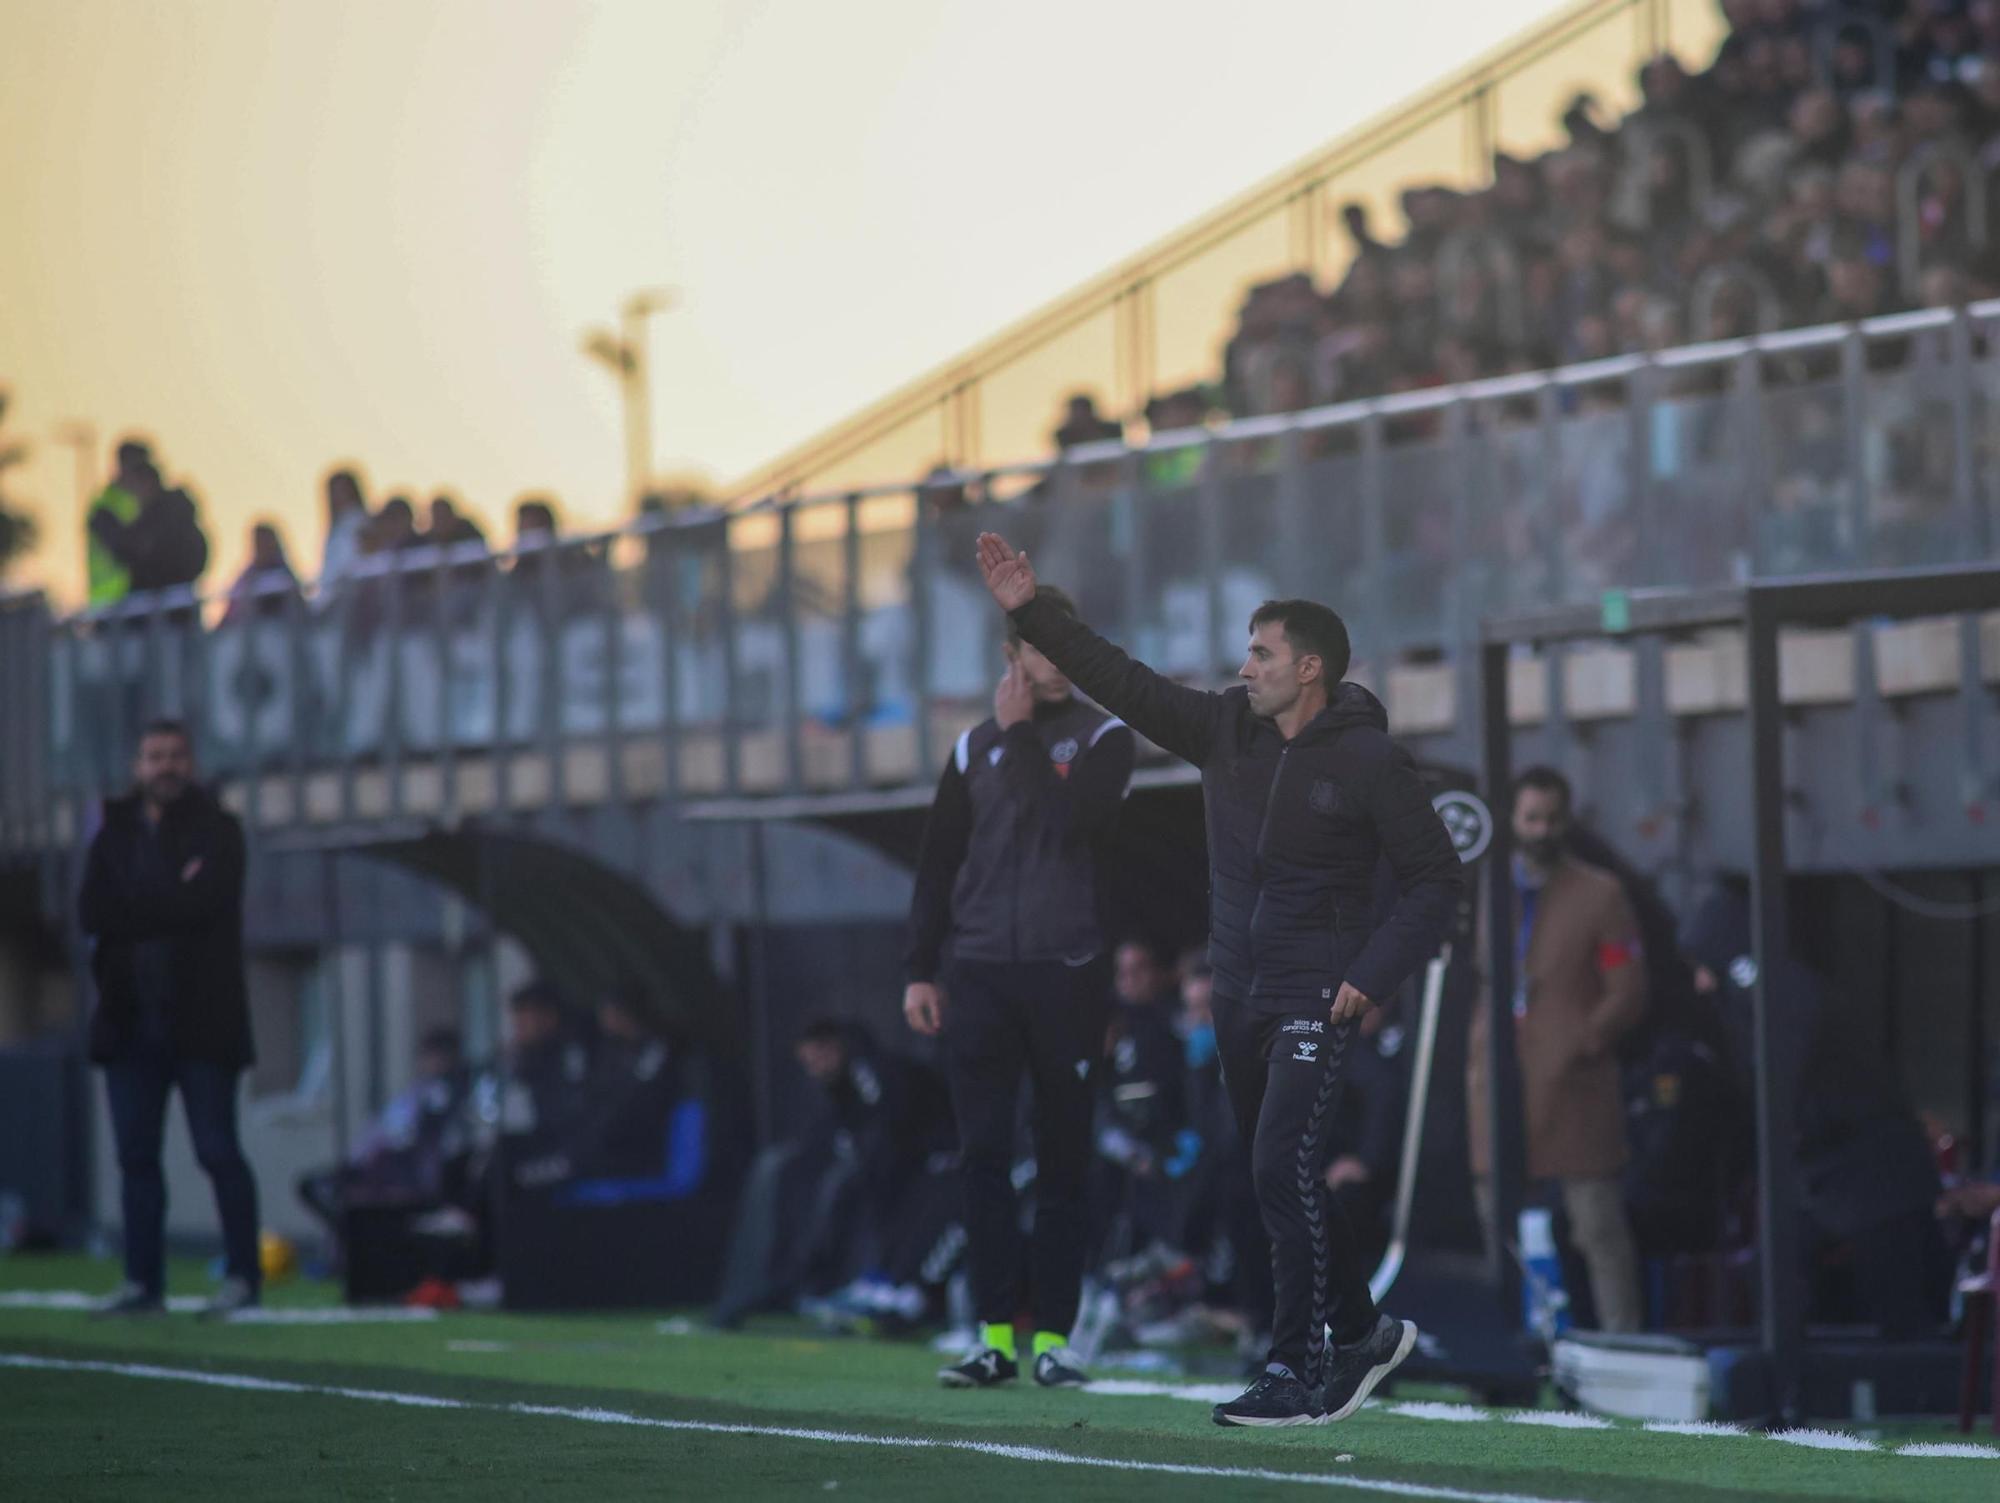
(135, 895)
(1295, 829)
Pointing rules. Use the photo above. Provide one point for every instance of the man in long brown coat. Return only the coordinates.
(1580, 986)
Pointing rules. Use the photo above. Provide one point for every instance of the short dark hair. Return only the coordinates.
(1055, 597)
(537, 995)
(441, 1040)
(823, 1030)
(1543, 779)
(1310, 628)
(165, 725)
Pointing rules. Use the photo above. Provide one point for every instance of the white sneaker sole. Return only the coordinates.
(952, 1379)
(1251, 1423)
(1376, 1374)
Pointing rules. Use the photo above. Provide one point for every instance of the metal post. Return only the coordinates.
(298, 664)
(392, 710)
(614, 687)
(443, 587)
(336, 1000)
(1640, 393)
(788, 633)
(1374, 527)
(1503, 1120)
(663, 559)
(500, 587)
(923, 568)
(1212, 502)
(1854, 417)
(732, 745)
(1778, 1242)
(853, 699)
(1131, 502)
(549, 563)
(1964, 471)
(1548, 420)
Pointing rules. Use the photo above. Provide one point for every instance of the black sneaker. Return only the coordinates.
(1276, 1398)
(131, 1299)
(985, 1367)
(1353, 1371)
(1056, 1368)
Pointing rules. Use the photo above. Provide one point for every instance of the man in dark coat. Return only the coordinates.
(162, 903)
(1304, 795)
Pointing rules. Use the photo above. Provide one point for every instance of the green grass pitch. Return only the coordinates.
(478, 1406)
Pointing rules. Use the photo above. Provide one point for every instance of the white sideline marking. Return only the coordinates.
(1457, 1414)
(1943, 1448)
(185, 1304)
(1558, 1419)
(1824, 1440)
(1711, 1428)
(773, 1432)
(334, 1315)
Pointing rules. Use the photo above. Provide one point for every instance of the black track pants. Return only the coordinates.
(1284, 1076)
(1043, 1022)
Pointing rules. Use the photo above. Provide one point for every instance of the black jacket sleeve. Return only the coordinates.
(1428, 877)
(1082, 805)
(1171, 715)
(946, 835)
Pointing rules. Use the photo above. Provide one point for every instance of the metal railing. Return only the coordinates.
(827, 644)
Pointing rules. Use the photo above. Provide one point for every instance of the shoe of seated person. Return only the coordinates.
(129, 1299)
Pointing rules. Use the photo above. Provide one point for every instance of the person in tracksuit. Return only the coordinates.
(1007, 881)
(1305, 794)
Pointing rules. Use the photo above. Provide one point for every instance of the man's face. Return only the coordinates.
(821, 1059)
(1138, 976)
(618, 1021)
(1274, 674)
(1541, 820)
(164, 767)
(1045, 680)
(436, 1064)
(531, 1026)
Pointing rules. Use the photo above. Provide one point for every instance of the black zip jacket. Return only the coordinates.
(1008, 869)
(131, 897)
(1295, 829)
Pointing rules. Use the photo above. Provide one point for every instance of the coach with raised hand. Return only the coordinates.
(1305, 794)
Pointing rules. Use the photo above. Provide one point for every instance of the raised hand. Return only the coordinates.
(1009, 575)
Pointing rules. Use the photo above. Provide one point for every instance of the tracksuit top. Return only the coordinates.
(1008, 870)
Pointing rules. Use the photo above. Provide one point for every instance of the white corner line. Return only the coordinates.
(1038, 1454)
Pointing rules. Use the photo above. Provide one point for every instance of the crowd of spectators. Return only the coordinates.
(1828, 164)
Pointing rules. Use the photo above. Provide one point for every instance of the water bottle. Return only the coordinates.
(1544, 1300)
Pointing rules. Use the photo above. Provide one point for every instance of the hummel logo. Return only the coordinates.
(1307, 1051)
(1082, 1068)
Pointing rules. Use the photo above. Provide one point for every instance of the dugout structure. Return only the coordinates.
(1760, 610)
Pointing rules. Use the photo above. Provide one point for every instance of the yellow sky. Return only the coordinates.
(273, 234)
